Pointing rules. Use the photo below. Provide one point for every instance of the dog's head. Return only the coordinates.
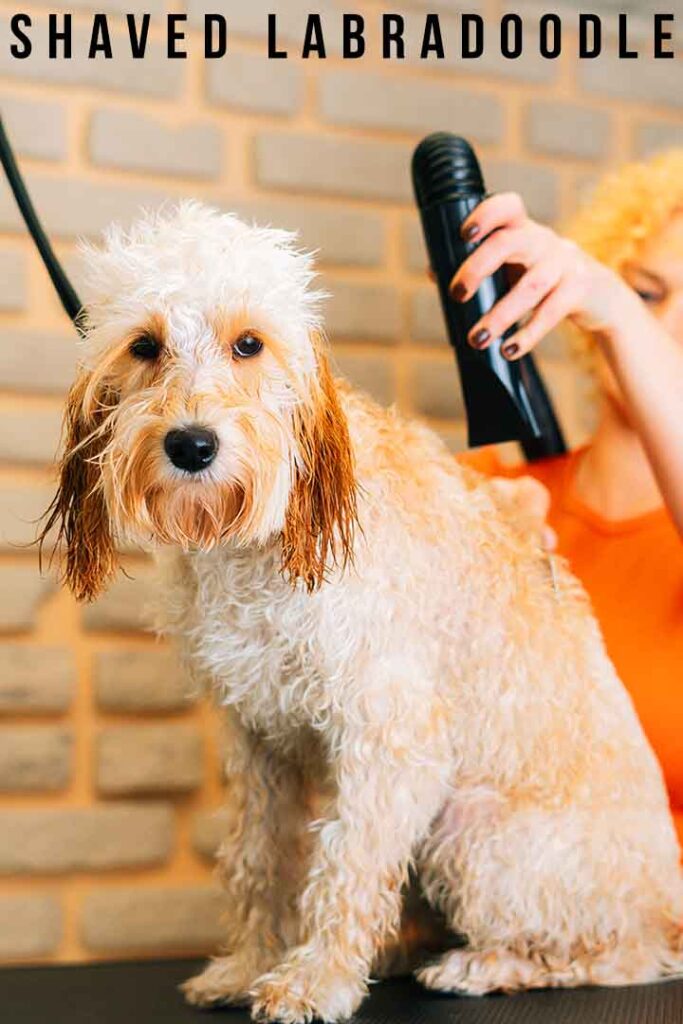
(204, 412)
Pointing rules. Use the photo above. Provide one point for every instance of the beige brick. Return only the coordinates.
(371, 373)
(71, 207)
(209, 829)
(153, 76)
(646, 80)
(139, 681)
(22, 589)
(124, 605)
(36, 361)
(83, 208)
(34, 758)
(639, 15)
(149, 759)
(84, 839)
(251, 19)
(134, 141)
(300, 163)
(414, 250)
(426, 319)
(30, 436)
(29, 925)
(377, 101)
(359, 311)
(529, 67)
(36, 128)
(12, 279)
(568, 129)
(436, 388)
(154, 7)
(252, 82)
(584, 186)
(110, 6)
(20, 510)
(35, 680)
(655, 135)
(340, 234)
(159, 920)
(538, 186)
(472, 6)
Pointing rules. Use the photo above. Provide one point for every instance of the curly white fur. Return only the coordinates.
(436, 700)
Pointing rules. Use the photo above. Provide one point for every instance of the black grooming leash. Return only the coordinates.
(70, 301)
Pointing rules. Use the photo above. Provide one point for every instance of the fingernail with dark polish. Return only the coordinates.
(510, 350)
(480, 337)
(459, 292)
(471, 232)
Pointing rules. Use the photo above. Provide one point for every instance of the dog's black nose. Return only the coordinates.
(192, 448)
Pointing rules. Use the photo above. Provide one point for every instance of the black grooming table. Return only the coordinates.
(146, 993)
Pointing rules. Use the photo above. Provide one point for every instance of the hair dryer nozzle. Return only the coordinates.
(445, 166)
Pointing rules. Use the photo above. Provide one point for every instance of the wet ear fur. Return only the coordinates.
(322, 512)
(78, 509)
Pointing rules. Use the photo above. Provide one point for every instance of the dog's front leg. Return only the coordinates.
(386, 799)
(257, 865)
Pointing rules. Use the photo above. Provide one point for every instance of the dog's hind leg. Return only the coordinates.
(550, 898)
(476, 972)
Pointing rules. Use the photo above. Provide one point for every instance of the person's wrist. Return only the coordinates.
(623, 314)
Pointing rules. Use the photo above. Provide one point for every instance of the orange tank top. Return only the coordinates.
(633, 572)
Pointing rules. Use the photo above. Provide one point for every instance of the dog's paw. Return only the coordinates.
(274, 1002)
(294, 996)
(226, 979)
(478, 972)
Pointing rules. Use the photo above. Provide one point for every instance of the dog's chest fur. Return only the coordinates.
(257, 639)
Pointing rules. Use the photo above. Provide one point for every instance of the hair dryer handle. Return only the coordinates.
(505, 400)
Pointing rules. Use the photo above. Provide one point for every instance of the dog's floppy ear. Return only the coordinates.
(321, 514)
(78, 508)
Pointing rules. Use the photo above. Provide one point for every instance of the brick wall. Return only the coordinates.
(108, 769)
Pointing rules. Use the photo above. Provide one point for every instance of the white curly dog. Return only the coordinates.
(385, 639)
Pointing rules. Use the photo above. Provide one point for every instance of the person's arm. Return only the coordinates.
(648, 365)
(557, 279)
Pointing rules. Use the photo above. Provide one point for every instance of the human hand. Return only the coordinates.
(552, 278)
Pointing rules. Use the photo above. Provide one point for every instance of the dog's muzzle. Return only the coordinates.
(191, 448)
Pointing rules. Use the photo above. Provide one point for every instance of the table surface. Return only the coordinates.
(146, 992)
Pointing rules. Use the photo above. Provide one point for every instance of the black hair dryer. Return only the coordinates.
(505, 400)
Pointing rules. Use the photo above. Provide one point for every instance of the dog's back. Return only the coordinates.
(548, 753)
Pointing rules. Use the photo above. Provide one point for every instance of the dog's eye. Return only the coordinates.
(247, 345)
(145, 347)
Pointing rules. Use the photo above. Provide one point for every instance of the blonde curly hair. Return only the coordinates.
(625, 210)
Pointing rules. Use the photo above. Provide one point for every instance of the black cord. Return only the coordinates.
(70, 301)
